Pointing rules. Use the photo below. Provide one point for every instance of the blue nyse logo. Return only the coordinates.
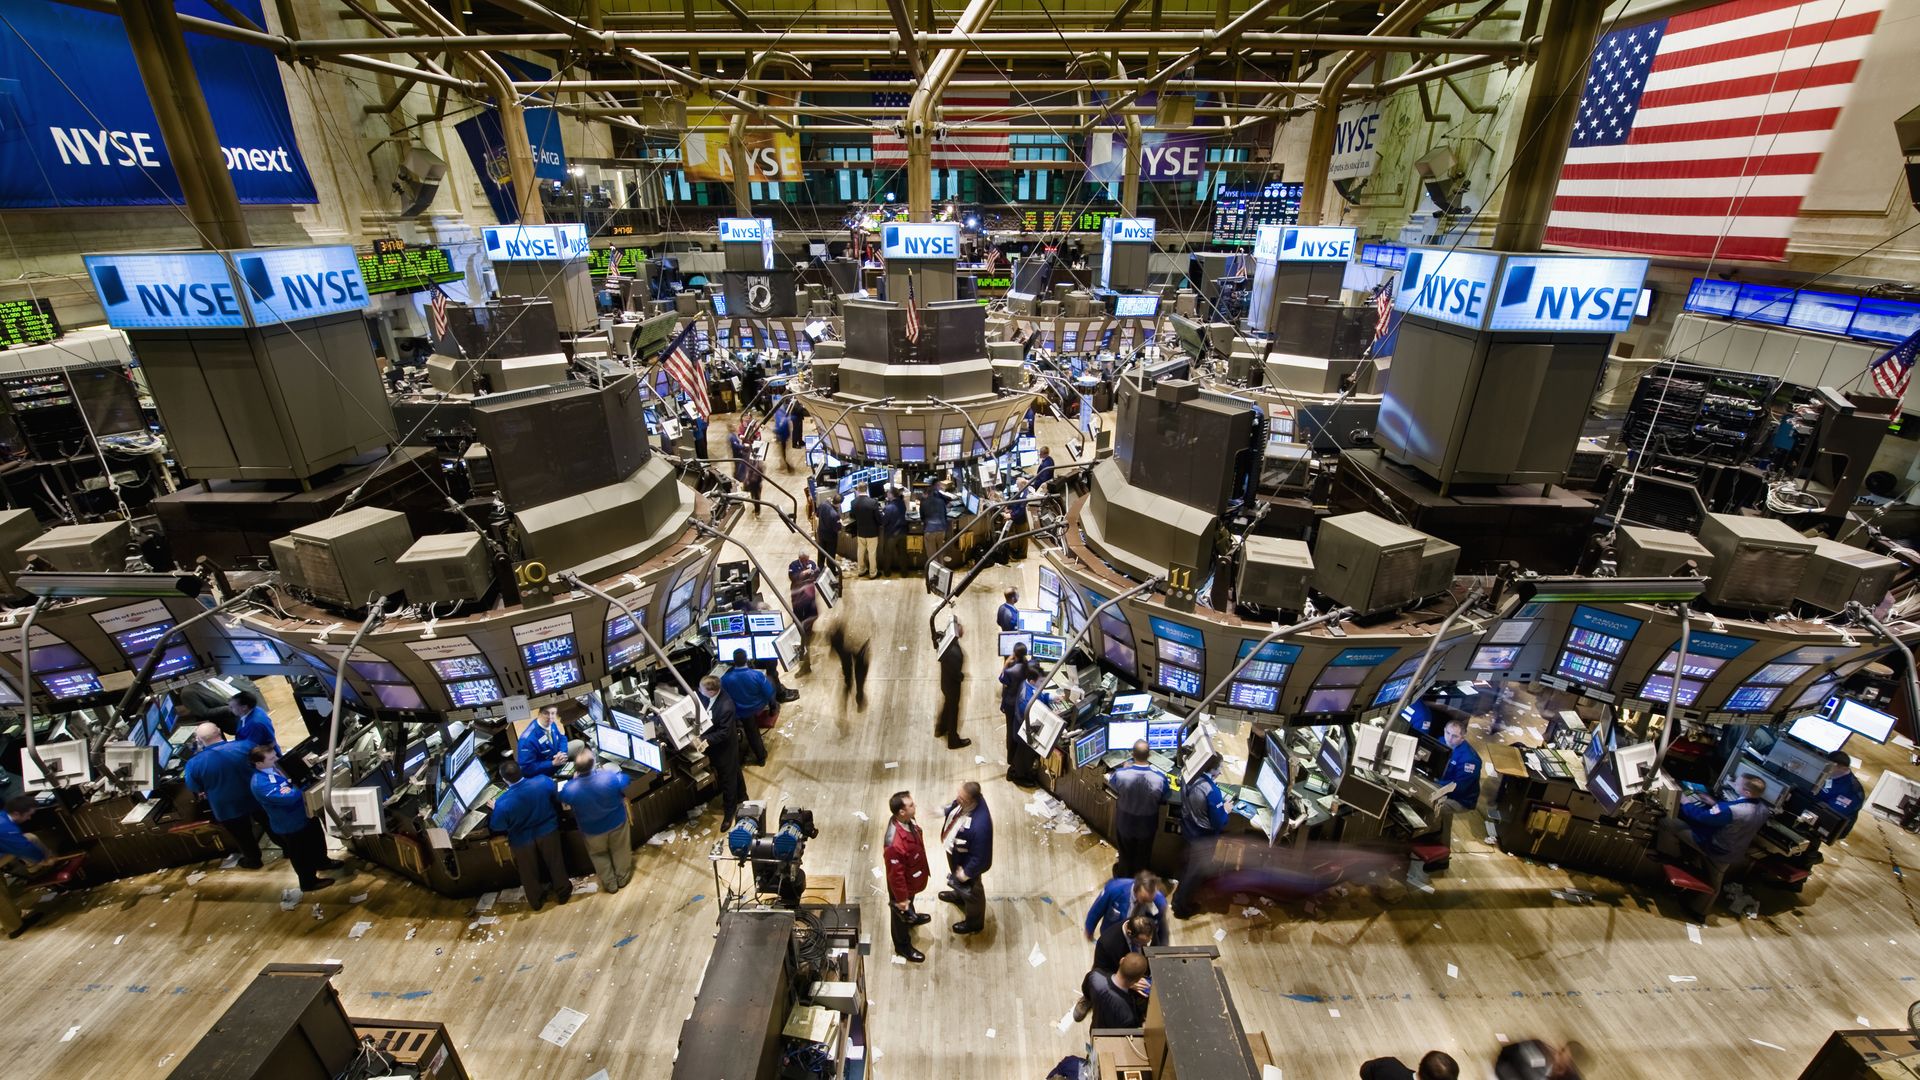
(1308, 243)
(535, 243)
(915, 240)
(1129, 230)
(255, 287)
(1571, 294)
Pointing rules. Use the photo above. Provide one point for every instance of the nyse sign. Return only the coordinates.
(249, 287)
(924, 240)
(1354, 147)
(1588, 296)
(1316, 243)
(1452, 286)
(1121, 230)
(535, 243)
(745, 230)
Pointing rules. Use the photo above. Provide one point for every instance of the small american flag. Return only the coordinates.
(964, 147)
(1892, 372)
(437, 310)
(613, 266)
(687, 375)
(913, 314)
(1382, 309)
(1699, 135)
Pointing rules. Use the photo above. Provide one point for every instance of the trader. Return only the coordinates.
(1043, 475)
(752, 693)
(1122, 897)
(528, 812)
(826, 527)
(966, 835)
(1434, 1065)
(1007, 617)
(1720, 831)
(723, 747)
(1138, 790)
(1203, 814)
(866, 534)
(598, 799)
(1842, 793)
(1125, 939)
(1460, 782)
(543, 746)
(286, 805)
(906, 874)
(893, 530)
(222, 772)
(16, 843)
(1118, 1001)
(953, 663)
(1022, 762)
(254, 725)
(933, 518)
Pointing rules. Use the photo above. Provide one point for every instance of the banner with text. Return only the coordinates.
(1355, 141)
(486, 145)
(706, 157)
(77, 129)
(1164, 156)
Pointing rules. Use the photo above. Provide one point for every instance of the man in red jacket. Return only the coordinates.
(906, 874)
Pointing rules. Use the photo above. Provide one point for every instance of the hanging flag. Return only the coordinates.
(613, 267)
(688, 374)
(964, 147)
(437, 311)
(913, 313)
(1892, 371)
(1699, 135)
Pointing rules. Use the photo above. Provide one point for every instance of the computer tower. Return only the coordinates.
(351, 557)
(1758, 562)
(1840, 573)
(81, 549)
(1274, 573)
(446, 567)
(1368, 563)
(1640, 551)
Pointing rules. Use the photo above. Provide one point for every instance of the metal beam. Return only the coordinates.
(1546, 123)
(903, 22)
(740, 13)
(233, 15)
(186, 126)
(677, 42)
(920, 118)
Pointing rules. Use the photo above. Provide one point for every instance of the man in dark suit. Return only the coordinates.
(952, 677)
(966, 835)
(866, 534)
(723, 747)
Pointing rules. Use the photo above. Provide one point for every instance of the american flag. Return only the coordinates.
(1382, 309)
(1892, 371)
(437, 311)
(613, 266)
(687, 374)
(1699, 135)
(964, 147)
(913, 314)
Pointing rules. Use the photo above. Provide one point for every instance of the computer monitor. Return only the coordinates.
(765, 622)
(1634, 766)
(1165, 733)
(1272, 785)
(448, 811)
(633, 725)
(1869, 722)
(1047, 647)
(1819, 732)
(1254, 696)
(359, 809)
(1034, 621)
(1089, 746)
(725, 626)
(767, 648)
(1364, 795)
(256, 651)
(1043, 727)
(1198, 750)
(724, 647)
(1603, 783)
(1127, 704)
(470, 782)
(1010, 638)
(1366, 744)
(1122, 734)
(647, 754)
(1332, 757)
(1396, 759)
(459, 753)
(612, 742)
(676, 723)
(131, 763)
(66, 764)
(1175, 679)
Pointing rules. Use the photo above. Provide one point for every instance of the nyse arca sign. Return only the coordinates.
(214, 289)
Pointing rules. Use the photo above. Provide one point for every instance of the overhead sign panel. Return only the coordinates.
(535, 243)
(920, 240)
(1120, 230)
(213, 289)
(1453, 286)
(1553, 293)
(745, 230)
(285, 284)
(1316, 243)
(1355, 148)
(1266, 243)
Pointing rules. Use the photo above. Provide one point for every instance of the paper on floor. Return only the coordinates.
(1693, 933)
(289, 899)
(1453, 971)
(359, 930)
(485, 901)
(560, 1029)
(1219, 935)
(71, 1032)
(1036, 957)
(360, 898)
(1271, 1072)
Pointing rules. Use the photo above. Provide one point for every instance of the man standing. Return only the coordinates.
(826, 526)
(952, 676)
(286, 805)
(752, 693)
(1118, 1001)
(1122, 897)
(1043, 475)
(967, 837)
(543, 746)
(598, 799)
(866, 534)
(1021, 761)
(723, 747)
(253, 725)
(1203, 814)
(933, 518)
(528, 812)
(906, 874)
(1434, 1065)
(1125, 939)
(1138, 789)
(15, 843)
(893, 530)
(854, 662)
(1007, 617)
(1842, 793)
(804, 597)
(222, 772)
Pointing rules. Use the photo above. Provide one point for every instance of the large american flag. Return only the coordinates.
(1699, 135)
(686, 372)
(1892, 372)
(964, 147)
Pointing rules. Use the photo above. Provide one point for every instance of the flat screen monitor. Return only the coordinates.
(1634, 766)
(67, 685)
(1495, 657)
(1819, 732)
(256, 651)
(1048, 647)
(1132, 306)
(1165, 734)
(1179, 680)
(1037, 622)
(1272, 786)
(1333, 759)
(1089, 746)
(453, 668)
(66, 764)
(1329, 699)
(1010, 638)
(449, 810)
(548, 650)
(400, 697)
(1122, 734)
(473, 693)
(175, 661)
(416, 757)
(552, 677)
(139, 641)
(470, 782)
(628, 722)
(1871, 723)
(766, 648)
(612, 741)
(1175, 652)
(460, 754)
(1127, 704)
(1255, 696)
(647, 754)
(765, 622)
(1603, 783)
(724, 647)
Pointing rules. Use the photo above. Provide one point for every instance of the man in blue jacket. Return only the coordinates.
(222, 772)
(1118, 899)
(1138, 790)
(598, 799)
(893, 533)
(1203, 814)
(16, 843)
(1719, 830)
(753, 694)
(543, 746)
(966, 835)
(286, 805)
(933, 518)
(1007, 615)
(1842, 792)
(528, 812)
(254, 724)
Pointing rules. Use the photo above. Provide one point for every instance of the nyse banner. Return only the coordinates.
(77, 129)
(1355, 148)
(770, 156)
(218, 289)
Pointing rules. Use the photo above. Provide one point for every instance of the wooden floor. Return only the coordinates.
(124, 981)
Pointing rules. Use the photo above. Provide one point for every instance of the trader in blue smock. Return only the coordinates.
(598, 799)
(543, 746)
(286, 805)
(752, 693)
(1138, 790)
(1719, 830)
(933, 518)
(1842, 792)
(1460, 783)
(221, 771)
(16, 843)
(1203, 815)
(528, 812)
(254, 724)
(1007, 617)
(1119, 899)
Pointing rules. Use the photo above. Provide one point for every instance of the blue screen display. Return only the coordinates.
(545, 652)
(1768, 304)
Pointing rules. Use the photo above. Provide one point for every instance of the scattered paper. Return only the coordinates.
(877, 872)
(1219, 935)
(359, 930)
(1693, 933)
(120, 939)
(586, 888)
(992, 1034)
(1768, 1045)
(901, 960)
(484, 902)
(601, 1075)
(1862, 1021)
(560, 1029)
(412, 930)
(978, 760)
(1335, 1013)
(1036, 957)
(515, 895)
(360, 899)
(891, 765)
(152, 890)
(862, 815)
(229, 862)
(289, 899)
(1066, 1023)
(318, 915)
(1271, 1072)
(195, 877)
(1453, 971)
(71, 1032)
(1501, 1035)
(1682, 978)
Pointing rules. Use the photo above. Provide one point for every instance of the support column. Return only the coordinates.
(160, 51)
(1130, 177)
(1552, 106)
(742, 183)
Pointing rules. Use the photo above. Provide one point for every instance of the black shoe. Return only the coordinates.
(316, 883)
(964, 928)
(919, 918)
(952, 897)
(563, 897)
(959, 744)
(913, 956)
(789, 695)
(26, 921)
(254, 865)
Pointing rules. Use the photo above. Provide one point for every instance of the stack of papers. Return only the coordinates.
(812, 1023)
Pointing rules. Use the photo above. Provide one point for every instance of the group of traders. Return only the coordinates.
(245, 788)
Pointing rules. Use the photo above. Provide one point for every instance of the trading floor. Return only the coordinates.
(124, 979)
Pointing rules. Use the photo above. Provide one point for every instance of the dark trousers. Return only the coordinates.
(244, 838)
(1675, 839)
(1023, 765)
(893, 553)
(1134, 841)
(544, 853)
(1193, 863)
(973, 900)
(756, 750)
(902, 928)
(947, 724)
(307, 851)
(729, 780)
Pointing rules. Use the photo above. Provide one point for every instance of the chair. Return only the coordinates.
(1433, 857)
